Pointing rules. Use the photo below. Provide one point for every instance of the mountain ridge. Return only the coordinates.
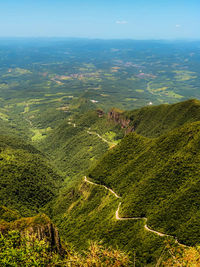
(146, 172)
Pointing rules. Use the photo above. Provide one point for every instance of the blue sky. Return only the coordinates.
(134, 19)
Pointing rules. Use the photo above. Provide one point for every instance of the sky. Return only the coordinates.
(106, 19)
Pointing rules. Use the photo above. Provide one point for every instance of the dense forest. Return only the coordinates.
(99, 153)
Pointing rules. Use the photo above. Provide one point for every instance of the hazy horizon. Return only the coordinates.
(98, 39)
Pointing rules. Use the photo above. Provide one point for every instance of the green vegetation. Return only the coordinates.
(158, 179)
(85, 212)
(17, 250)
(74, 145)
(8, 215)
(153, 121)
(184, 75)
(176, 257)
(34, 241)
(27, 180)
(54, 99)
(150, 172)
(40, 134)
(25, 251)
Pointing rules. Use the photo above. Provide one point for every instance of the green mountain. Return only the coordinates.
(27, 181)
(153, 121)
(79, 141)
(155, 176)
(35, 241)
(153, 168)
(158, 178)
(61, 153)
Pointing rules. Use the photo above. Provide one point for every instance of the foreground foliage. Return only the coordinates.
(181, 257)
(18, 250)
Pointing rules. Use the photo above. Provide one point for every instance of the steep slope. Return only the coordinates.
(152, 176)
(78, 142)
(35, 241)
(157, 178)
(85, 212)
(27, 180)
(152, 121)
(40, 226)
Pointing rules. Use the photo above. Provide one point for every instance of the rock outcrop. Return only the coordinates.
(39, 226)
(117, 116)
(43, 229)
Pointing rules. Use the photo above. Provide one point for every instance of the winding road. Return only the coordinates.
(87, 181)
(132, 218)
(117, 196)
(94, 133)
(99, 136)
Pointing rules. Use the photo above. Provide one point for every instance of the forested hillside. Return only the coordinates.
(93, 136)
(158, 179)
(153, 121)
(78, 142)
(27, 182)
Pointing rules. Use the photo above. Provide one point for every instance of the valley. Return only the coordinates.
(96, 139)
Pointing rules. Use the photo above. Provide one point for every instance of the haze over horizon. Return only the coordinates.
(101, 19)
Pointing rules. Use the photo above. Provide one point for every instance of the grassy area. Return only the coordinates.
(4, 116)
(183, 75)
(40, 134)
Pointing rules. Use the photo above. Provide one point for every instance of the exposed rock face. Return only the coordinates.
(46, 230)
(118, 118)
(39, 226)
(129, 129)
